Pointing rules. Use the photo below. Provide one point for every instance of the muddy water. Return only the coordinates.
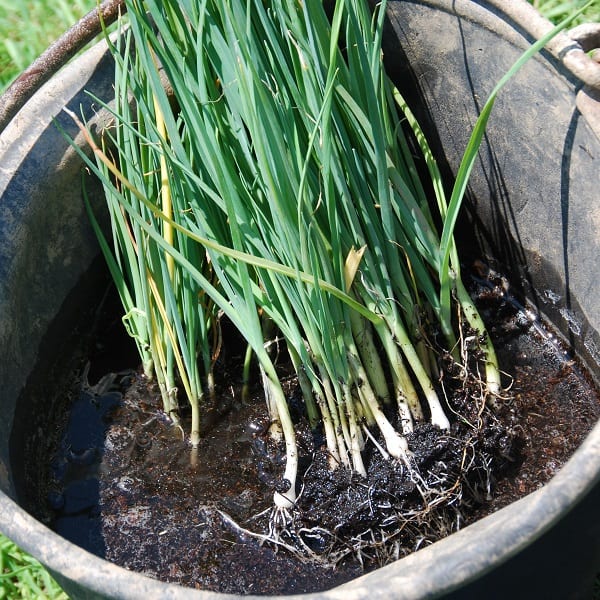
(123, 483)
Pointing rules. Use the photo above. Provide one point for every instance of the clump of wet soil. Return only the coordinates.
(127, 486)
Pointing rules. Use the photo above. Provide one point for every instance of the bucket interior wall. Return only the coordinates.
(533, 194)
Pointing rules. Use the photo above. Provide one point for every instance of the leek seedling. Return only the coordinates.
(274, 183)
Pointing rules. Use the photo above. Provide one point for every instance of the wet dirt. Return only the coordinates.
(123, 482)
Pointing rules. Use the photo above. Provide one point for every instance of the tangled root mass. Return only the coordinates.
(398, 508)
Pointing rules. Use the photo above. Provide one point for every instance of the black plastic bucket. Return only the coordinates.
(534, 204)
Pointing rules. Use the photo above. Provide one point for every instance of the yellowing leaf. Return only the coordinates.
(351, 266)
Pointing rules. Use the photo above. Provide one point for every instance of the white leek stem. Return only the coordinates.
(395, 443)
(409, 407)
(285, 499)
(356, 439)
(330, 437)
(363, 338)
(492, 371)
(438, 416)
(341, 432)
(275, 429)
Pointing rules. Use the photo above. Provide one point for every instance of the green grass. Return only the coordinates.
(556, 10)
(21, 576)
(26, 29)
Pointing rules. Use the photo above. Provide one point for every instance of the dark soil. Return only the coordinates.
(125, 485)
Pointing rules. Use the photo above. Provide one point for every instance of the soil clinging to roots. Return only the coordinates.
(398, 507)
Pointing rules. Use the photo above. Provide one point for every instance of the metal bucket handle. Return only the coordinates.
(56, 56)
(570, 47)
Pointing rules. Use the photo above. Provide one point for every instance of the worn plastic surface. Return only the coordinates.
(536, 208)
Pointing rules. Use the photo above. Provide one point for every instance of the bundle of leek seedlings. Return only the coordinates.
(258, 170)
